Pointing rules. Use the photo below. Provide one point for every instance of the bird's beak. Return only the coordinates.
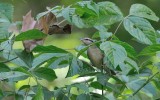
(81, 39)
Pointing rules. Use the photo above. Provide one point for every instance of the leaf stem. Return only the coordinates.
(149, 79)
(120, 25)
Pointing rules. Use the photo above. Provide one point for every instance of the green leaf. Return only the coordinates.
(150, 50)
(75, 66)
(88, 14)
(129, 49)
(132, 63)
(26, 57)
(39, 94)
(82, 86)
(49, 49)
(82, 51)
(59, 62)
(13, 58)
(45, 57)
(46, 73)
(11, 75)
(24, 87)
(66, 13)
(115, 53)
(140, 29)
(137, 83)
(6, 15)
(78, 67)
(141, 10)
(30, 34)
(23, 70)
(7, 10)
(4, 68)
(83, 97)
(109, 13)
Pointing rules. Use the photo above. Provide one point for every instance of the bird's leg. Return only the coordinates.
(102, 84)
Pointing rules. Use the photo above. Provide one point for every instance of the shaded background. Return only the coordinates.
(21, 7)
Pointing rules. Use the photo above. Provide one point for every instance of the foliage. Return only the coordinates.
(137, 75)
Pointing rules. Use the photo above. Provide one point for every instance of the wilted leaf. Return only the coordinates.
(45, 22)
(28, 22)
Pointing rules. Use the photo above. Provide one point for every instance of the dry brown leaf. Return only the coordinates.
(45, 22)
(28, 24)
(55, 29)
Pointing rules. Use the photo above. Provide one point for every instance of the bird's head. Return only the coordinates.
(87, 41)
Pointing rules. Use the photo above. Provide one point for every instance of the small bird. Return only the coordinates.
(96, 56)
(94, 53)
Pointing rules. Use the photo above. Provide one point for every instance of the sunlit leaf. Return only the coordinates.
(30, 34)
(140, 29)
(129, 49)
(143, 11)
(39, 94)
(46, 73)
(150, 50)
(115, 53)
(45, 57)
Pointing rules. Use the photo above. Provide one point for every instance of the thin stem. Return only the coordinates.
(26, 93)
(119, 25)
(61, 22)
(9, 60)
(149, 79)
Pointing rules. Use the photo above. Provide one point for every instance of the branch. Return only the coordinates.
(119, 25)
(149, 79)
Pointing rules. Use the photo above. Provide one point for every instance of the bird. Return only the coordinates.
(95, 55)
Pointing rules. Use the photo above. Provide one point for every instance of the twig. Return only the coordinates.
(26, 93)
(9, 60)
(119, 25)
(149, 79)
(61, 22)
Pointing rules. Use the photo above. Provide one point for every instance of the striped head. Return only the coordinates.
(87, 41)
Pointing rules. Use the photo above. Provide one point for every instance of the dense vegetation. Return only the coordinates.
(137, 73)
